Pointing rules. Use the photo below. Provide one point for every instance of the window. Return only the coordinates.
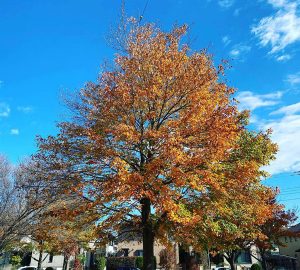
(125, 252)
(50, 257)
(244, 257)
(138, 253)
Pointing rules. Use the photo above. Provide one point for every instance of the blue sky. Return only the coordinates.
(51, 47)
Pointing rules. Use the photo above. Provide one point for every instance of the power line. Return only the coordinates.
(145, 7)
(289, 199)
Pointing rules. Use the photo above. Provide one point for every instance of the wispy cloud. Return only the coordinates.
(288, 110)
(4, 109)
(251, 101)
(239, 51)
(226, 3)
(293, 79)
(226, 40)
(280, 29)
(14, 131)
(283, 58)
(25, 109)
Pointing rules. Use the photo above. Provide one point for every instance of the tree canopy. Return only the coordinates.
(159, 140)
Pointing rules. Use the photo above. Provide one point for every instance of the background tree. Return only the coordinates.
(157, 141)
(274, 230)
(237, 217)
(18, 206)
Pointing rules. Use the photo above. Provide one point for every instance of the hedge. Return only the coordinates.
(112, 263)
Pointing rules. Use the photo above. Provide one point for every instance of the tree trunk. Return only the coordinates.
(148, 235)
(39, 266)
(65, 263)
(230, 258)
(263, 261)
(232, 264)
(204, 256)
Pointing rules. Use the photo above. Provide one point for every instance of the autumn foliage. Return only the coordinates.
(159, 140)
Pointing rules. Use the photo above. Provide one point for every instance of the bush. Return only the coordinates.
(113, 263)
(49, 268)
(255, 266)
(77, 265)
(139, 262)
(15, 260)
(81, 258)
(100, 263)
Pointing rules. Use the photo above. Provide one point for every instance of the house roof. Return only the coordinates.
(295, 228)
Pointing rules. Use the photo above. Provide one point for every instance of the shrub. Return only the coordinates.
(100, 263)
(15, 260)
(139, 262)
(255, 266)
(113, 263)
(77, 265)
(81, 258)
(49, 268)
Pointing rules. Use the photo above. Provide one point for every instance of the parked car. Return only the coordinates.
(221, 268)
(127, 268)
(27, 268)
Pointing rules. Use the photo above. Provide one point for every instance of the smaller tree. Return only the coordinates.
(274, 230)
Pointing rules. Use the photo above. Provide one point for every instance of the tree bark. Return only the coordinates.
(231, 259)
(263, 260)
(65, 263)
(204, 256)
(39, 266)
(232, 264)
(148, 235)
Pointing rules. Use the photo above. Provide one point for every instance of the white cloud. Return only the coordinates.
(4, 109)
(281, 29)
(283, 58)
(14, 131)
(226, 3)
(25, 109)
(278, 3)
(288, 110)
(239, 51)
(226, 40)
(286, 133)
(293, 79)
(250, 101)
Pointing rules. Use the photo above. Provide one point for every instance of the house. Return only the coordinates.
(129, 243)
(292, 244)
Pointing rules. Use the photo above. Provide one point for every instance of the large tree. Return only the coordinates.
(157, 140)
